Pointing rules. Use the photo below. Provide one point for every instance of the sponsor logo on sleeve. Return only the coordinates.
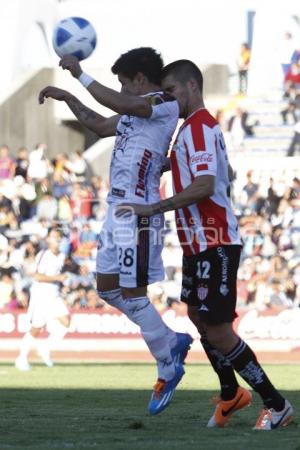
(118, 192)
(224, 289)
(201, 158)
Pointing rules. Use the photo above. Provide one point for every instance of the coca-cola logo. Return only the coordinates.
(202, 158)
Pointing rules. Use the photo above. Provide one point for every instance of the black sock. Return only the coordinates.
(223, 369)
(245, 363)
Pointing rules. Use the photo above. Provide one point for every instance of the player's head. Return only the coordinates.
(183, 80)
(54, 238)
(137, 69)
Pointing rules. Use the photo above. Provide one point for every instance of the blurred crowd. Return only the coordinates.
(37, 193)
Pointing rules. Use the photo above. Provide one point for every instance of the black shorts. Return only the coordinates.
(209, 282)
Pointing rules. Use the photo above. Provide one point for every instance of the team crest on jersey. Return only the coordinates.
(202, 291)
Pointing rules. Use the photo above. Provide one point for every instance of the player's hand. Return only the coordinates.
(71, 63)
(128, 209)
(52, 92)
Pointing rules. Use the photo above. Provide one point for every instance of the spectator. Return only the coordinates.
(81, 202)
(295, 142)
(293, 75)
(294, 192)
(38, 164)
(292, 95)
(87, 235)
(278, 296)
(61, 186)
(7, 164)
(286, 50)
(47, 208)
(78, 167)
(273, 199)
(296, 56)
(243, 67)
(238, 128)
(251, 191)
(22, 163)
(64, 210)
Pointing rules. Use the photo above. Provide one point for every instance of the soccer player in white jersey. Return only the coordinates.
(209, 235)
(46, 306)
(129, 255)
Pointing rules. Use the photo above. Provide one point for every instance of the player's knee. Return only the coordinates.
(222, 337)
(65, 321)
(35, 331)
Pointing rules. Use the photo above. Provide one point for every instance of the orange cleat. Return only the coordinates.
(225, 409)
(269, 419)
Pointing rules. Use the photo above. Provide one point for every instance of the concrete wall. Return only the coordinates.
(216, 80)
(23, 122)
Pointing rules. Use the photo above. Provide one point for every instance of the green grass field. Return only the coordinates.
(104, 406)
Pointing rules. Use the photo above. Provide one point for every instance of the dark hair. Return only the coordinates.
(183, 70)
(144, 59)
(57, 230)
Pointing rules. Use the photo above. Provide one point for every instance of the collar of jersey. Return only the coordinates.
(152, 93)
(197, 110)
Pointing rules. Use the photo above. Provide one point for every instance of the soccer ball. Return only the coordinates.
(74, 36)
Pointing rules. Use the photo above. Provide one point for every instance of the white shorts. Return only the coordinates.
(131, 248)
(45, 308)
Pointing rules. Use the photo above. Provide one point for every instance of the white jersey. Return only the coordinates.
(140, 149)
(200, 149)
(47, 263)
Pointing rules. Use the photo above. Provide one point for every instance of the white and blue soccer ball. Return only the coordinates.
(74, 36)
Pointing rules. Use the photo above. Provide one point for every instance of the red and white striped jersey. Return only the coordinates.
(199, 149)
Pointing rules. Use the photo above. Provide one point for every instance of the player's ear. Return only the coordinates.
(140, 78)
(193, 84)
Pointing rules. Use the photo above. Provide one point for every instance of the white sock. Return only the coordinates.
(27, 343)
(153, 330)
(115, 299)
(158, 337)
(172, 338)
(56, 335)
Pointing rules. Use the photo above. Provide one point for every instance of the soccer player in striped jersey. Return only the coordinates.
(129, 255)
(211, 244)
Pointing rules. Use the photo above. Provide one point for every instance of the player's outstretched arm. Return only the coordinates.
(116, 101)
(102, 126)
(202, 187)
